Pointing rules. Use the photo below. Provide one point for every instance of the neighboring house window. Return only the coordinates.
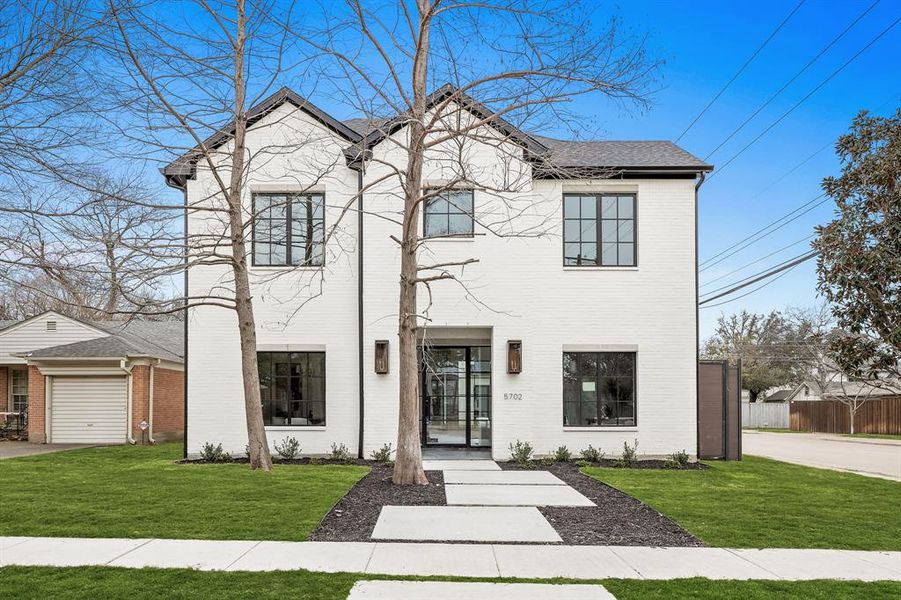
(599, 230)
(598, 389)
(449, 214)
(19, 389)
(806, 391)
(292, 387)
(288, 229)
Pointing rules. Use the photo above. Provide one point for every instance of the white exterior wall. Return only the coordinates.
(519, 290)
(328, 319)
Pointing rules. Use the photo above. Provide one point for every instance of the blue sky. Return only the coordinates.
(704, 43)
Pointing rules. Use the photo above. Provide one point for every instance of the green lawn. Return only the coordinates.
(139, 491)
(759, 502)
(152, 584)
(875, 436)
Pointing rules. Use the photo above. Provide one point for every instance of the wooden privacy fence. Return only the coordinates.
(878, 415)
(769, 415)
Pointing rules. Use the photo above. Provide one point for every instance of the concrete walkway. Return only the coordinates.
(484, 504)
(463, 560)
(864, 456)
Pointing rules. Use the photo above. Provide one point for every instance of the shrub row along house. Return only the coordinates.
(63, 380)
(575, 323)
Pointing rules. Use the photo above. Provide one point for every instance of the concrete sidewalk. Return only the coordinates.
(870, 457)
(463, 560)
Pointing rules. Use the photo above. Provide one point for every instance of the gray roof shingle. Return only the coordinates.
(159, 339)
(621, 154)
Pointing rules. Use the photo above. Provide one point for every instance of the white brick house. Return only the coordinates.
(603, 309)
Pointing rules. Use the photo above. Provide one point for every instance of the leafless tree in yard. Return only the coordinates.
(510, 64)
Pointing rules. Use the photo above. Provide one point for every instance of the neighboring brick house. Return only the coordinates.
(93, 382)
(584, 332)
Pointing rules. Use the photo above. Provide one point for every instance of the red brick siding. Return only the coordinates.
(168, 404)
(140, 393)
(5, 399)
(36, 426)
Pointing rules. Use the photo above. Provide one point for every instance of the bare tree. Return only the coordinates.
(527, 61)
(85, 253)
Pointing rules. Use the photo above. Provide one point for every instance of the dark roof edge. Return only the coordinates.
(182, 168)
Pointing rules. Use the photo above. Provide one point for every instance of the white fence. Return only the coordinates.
(770, 415)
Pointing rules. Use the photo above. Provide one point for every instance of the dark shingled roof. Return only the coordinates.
(159, 339)
(621, 154)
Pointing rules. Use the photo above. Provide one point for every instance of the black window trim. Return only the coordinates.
(600, 427)
(324, 388)
(253, 226)
(598, 200)
(472, 218)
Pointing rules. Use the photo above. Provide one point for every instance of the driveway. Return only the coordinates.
(16, 449)
(870, 457)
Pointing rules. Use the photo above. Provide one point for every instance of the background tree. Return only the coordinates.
(523, 62)
(859, 263)
(764, 344)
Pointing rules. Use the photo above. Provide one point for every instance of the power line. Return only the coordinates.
(757, 289)
(765, 275)
(794, 78)
(742, 69)
(762, 232)
(805, 98)
(745, 266)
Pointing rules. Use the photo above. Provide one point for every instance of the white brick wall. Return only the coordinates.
(518, 290)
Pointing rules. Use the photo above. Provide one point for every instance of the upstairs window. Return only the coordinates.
(599, 230)
(288, 229)
(448, 215)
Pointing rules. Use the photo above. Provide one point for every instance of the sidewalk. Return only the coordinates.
(462, 560)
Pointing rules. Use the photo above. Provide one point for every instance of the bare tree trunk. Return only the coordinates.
(258, 446)
(408, 464)
(852, 411)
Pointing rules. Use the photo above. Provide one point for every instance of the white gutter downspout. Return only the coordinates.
(128, 409)
(150, 408)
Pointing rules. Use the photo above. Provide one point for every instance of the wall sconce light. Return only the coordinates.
(381, 357)
(514, 357)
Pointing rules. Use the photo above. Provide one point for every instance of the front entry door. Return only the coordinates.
(456, 395)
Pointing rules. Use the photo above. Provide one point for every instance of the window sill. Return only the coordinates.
(295, 427)
(285, 267)
(596, 428)
(566, 268)
(461, 238)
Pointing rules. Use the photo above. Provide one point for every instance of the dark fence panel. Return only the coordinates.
(719, 410)
(878, 415)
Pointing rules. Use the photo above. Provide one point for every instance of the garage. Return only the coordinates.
(88, 409)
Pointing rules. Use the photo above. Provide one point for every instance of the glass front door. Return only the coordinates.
(456, 395)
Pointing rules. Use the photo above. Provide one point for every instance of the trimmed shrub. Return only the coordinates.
(340, 453)
(592, 454)
(562, 454)
(383, 454)
(630, 454)
(521, 452)
(677, 460)
(214, 453)
(288, 449)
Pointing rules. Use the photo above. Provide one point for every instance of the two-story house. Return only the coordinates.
(577, 325)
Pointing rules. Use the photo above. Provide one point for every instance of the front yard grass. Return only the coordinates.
(140, 491)
(761, 503)
(152, 584)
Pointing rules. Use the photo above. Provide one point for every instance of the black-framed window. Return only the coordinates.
(599, 230)
(448, 214)
(292, 388)
(599, 389)
(288, 229)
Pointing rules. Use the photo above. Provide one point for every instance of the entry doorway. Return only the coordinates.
(455, 390)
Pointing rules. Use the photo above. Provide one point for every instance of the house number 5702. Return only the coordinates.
(512, 396)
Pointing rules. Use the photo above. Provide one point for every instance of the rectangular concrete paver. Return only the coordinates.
(674, 563)
(460, 465)
(464, 524)
(816, 564)
(325, 557)
(457, 560)
(447, 590)
(886, 560)
(204, 555)
(502, 477)
(515, 495)
(68, 552)
(575, 562)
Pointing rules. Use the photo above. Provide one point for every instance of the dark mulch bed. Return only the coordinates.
(354, 517)
(617, 520)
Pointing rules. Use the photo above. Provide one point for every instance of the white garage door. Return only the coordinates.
(88, 409)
